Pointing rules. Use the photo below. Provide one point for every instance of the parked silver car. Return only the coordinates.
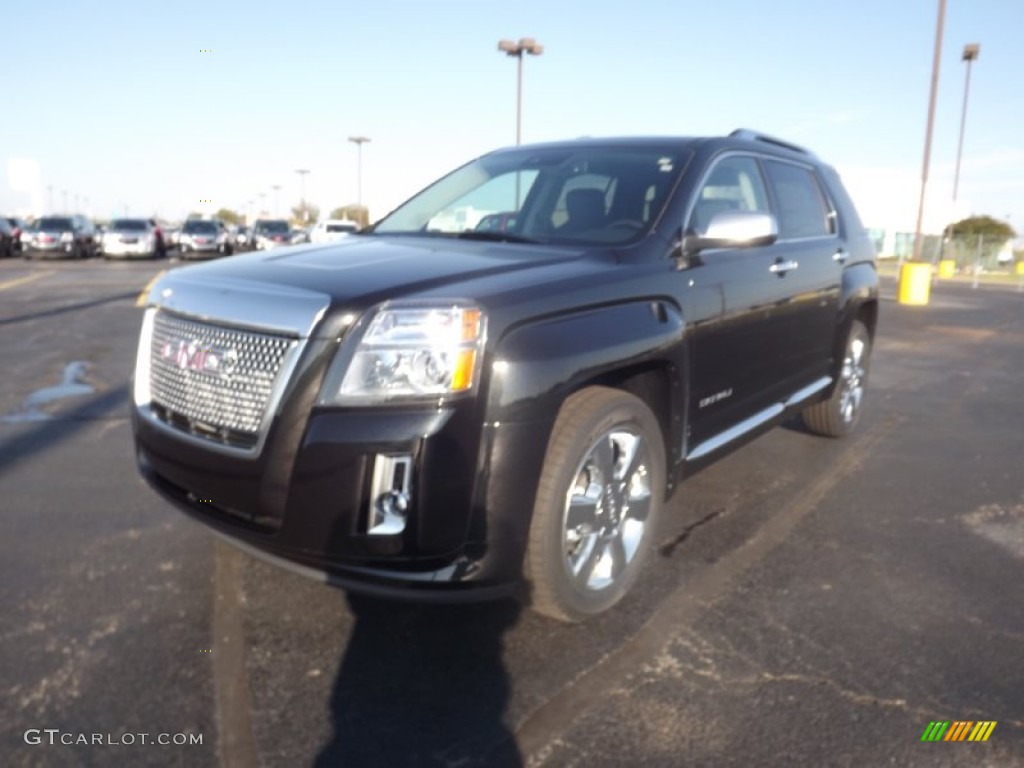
(204, 237)
(71, 235)
(125, 238)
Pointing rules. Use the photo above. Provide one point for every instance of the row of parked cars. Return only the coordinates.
(75, 236)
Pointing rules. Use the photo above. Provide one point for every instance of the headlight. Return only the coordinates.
(413, 351)
(67, 237)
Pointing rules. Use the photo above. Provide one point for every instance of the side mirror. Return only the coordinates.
(734, 229)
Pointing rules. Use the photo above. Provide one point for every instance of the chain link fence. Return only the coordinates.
(978, 253)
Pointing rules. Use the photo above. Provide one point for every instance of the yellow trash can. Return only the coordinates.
(947, 268)
(1020, 268)
(915, 283)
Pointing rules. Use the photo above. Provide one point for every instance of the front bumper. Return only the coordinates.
(115, 249)
(52, 249)
(304, 501)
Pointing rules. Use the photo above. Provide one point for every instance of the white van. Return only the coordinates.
(331, 230)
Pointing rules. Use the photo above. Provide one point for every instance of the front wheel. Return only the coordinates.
(598, 501)
(838, 415)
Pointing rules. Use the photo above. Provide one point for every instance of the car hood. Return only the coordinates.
(265, 289)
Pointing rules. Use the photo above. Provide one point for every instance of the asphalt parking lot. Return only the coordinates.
(815, 602)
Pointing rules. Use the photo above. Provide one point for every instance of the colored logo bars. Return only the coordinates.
(958, 730)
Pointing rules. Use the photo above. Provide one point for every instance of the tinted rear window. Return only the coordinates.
(204, 227)
(275, 227)
(54, 223)
(129, 225)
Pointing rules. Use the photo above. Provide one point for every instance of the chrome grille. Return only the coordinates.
(212, 380)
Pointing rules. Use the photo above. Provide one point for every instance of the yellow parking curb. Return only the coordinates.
(22, 280)
(141, 300)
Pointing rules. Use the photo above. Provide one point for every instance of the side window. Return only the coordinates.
(802, 208)
(734, 184)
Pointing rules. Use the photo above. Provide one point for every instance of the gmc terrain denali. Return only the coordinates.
(436, 409)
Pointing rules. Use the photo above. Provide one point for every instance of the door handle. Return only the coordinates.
(781, 267)
(840, 256)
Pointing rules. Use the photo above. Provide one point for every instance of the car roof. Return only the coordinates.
(741, 138)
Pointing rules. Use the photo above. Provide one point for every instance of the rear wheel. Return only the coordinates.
(838, 415)
(599, 498)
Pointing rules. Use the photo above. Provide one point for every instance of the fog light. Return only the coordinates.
(390, 499)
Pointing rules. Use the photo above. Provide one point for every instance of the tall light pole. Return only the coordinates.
(277, 199)
(525, 45)
(302, 193)
(64, 195)
(263, 203)
(359, 141)
(928, 132)
(971, 51)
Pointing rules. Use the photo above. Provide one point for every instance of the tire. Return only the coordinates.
(838, 415)
(582, 567)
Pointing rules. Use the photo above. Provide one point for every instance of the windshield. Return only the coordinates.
(54, 223)
(597, 195)
(274, 227)
(199, 226)
(128, 225)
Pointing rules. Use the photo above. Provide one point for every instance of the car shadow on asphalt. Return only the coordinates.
(423, 685)
(68, 308)
(50, 430)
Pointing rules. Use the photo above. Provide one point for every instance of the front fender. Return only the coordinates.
(858, 297)
(534, 368)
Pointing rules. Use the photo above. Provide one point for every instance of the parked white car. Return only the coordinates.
(331, 230)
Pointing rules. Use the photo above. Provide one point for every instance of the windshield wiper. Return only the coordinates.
(497, 237)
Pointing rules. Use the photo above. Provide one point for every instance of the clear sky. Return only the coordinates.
(116, 101)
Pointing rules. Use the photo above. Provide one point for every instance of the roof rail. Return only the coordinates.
(746, 133)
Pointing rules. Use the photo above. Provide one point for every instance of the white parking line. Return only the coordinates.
(22, 280)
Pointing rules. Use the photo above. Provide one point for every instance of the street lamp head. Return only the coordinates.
(530, 46)
(971, 51)
(525, 45)
(359, 139)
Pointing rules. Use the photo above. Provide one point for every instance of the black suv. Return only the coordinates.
(435, 409)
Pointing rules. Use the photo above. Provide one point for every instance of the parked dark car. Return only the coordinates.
(19, 227)
(55, 236)
(497, 222)
(9, 239)
(437, 412)
(270, 233)
(204, 237)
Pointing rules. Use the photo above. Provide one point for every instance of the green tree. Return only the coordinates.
(352, 212)
(228, 216)
(983, 225)
(304, 214)
(977, 241)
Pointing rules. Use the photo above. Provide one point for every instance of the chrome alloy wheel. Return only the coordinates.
(853, 378)
(606, 510)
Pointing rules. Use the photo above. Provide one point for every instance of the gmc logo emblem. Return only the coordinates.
(201, 358)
